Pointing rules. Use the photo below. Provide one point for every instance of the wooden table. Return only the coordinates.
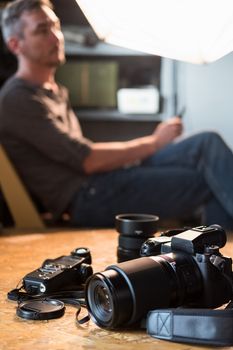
(22, 253)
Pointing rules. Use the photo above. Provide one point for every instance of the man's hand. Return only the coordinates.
(107, 156)
(167, 131)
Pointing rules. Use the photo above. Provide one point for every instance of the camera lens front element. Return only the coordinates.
(109, 305)
(103, 302)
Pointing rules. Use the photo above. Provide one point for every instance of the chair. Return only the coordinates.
(20, 204)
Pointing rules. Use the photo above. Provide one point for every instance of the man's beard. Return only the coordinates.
(60, 58)
(56, 64)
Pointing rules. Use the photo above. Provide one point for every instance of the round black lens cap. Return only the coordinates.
(41, 309)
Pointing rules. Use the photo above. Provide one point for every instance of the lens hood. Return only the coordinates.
(141, 225)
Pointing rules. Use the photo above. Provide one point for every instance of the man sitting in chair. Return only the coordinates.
(162, 173)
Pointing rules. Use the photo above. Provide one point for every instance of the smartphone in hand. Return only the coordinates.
(181, 113)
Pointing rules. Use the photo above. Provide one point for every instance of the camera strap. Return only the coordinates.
(199, 326)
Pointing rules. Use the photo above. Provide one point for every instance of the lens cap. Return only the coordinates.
(41, 309)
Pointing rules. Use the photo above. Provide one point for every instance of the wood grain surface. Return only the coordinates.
(22, 253)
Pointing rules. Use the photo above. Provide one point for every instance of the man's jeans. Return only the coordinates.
(191, 173)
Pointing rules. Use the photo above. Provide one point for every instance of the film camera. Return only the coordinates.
(65, 273)
(186, 270)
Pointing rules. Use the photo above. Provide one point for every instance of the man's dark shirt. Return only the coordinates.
(42, 137)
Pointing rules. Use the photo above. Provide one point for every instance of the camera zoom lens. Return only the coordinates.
(123, 294)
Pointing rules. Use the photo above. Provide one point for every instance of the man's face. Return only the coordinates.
(42, 41)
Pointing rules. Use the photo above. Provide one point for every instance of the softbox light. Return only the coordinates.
(196, 31)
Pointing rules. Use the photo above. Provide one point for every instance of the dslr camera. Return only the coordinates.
(65, 273)
(181, 270)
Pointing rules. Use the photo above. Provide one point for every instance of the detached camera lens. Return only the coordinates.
(134, 230)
